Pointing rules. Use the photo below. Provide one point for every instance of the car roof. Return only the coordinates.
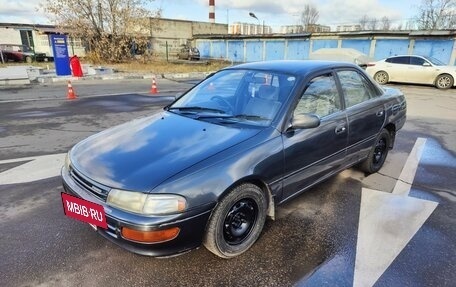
(293, 66)
(395, 56)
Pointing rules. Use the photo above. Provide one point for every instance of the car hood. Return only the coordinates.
(448, 69)
(141, 154)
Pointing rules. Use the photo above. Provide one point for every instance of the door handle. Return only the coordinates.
(380, 113)
(340, 129)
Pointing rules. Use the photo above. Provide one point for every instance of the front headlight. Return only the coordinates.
(148, 204)
(164, 204)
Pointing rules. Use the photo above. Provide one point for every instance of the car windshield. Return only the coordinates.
(434, 61)
(233, 96)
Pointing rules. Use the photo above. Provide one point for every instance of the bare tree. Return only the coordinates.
(372, 24)
(309, 17)
(111, 28)
(436, 14)
(386, 23)
(363, 22)
(410, 25)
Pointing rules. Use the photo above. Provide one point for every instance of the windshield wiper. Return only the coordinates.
(195, 108)
(240, 116)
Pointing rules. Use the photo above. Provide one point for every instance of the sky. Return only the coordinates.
(274, 13)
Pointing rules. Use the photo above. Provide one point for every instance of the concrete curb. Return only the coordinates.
(170, 76)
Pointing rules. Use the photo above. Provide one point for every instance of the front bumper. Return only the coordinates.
(192, 224)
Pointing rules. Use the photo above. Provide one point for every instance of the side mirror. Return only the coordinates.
(426, 64)
(305, 121)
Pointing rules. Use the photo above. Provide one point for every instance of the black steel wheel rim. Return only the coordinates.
(379, 151)
(240, 221)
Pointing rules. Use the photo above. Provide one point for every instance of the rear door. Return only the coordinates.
(365, 111)
(312, 154)
(397, 68)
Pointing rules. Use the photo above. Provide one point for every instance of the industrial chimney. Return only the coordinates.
(212, 11)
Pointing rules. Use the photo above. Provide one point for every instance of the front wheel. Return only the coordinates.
(444, 81)
(237, 221)
(377, 154)
(381, 77)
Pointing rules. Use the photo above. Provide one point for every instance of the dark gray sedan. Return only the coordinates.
(212, 166)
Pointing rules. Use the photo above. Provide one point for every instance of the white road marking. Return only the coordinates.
(387, 222)
(39, 167)
(405, 180)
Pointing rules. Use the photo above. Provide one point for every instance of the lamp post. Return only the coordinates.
(251, 14)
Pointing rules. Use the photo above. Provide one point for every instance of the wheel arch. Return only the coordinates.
(441, 74)
(260, 183)
(391, 128)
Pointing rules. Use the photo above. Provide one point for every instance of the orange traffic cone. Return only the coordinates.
(153, 89)
(71, 94)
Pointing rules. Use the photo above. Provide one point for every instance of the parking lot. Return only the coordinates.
(352, 230)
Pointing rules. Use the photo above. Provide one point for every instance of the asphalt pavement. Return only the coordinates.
(314, 241)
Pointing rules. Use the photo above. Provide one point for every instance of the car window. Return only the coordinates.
(399, 60)
(355, 87)
(417, 61)
(320, 98)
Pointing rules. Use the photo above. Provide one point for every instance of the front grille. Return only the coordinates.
(99, 191)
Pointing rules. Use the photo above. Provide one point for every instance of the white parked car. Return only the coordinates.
(413, 69)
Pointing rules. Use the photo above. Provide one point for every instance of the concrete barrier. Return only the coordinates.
(15, 75)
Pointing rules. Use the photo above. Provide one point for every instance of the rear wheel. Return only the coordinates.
(381, 77)
(444, 81)
(237, 221)
(377, 154)
(28, 59)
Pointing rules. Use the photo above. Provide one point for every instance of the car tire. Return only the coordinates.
(237, 221)
(28, 59)
(444, 81)
(377, 154)
(381, 77)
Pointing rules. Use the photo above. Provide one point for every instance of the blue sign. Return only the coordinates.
(61, 59)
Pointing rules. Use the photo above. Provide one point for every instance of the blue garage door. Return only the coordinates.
(218, 50)
(205, 48)
(275, 50)
(236, 51)
(439, 49)
(319, 44)
(254, 51)
(385, 48)
(361, 45)
(298, 50)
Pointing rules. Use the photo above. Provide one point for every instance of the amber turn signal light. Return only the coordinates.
(153, 236)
